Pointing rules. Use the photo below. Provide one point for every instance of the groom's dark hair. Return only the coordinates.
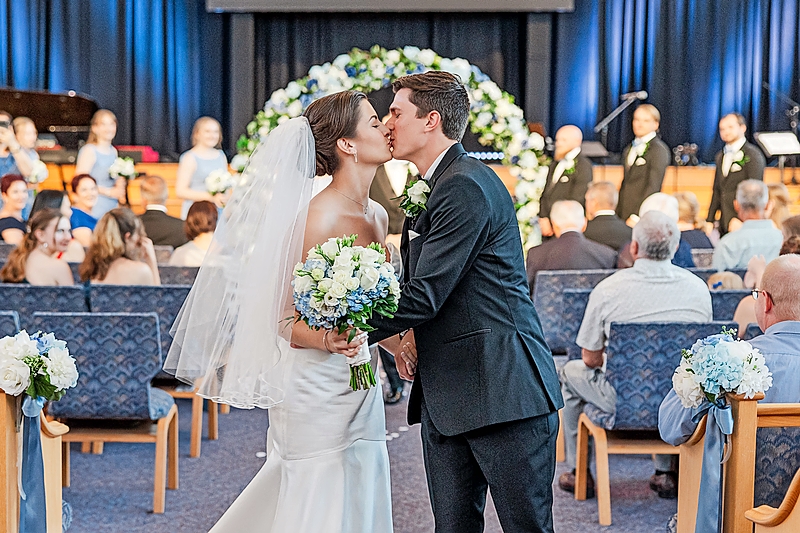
(442, 92)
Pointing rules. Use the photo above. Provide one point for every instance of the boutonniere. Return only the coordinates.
(739, 161)
(641, 150)
(569, 166)
(414, 198)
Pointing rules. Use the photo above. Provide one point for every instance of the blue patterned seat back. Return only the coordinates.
(9, 323)
(27, 300)
(165, 301)
(575, 302)
(777, 461)
(174, 275)
(753, 330)
(641, 360)
(117, 356)
(76, 276)
(5, 249)
(702, 257)
(163, 253)
(724, 302)
(547, 298)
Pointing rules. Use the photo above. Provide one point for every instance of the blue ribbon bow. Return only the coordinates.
(709, 505)
(32, 509)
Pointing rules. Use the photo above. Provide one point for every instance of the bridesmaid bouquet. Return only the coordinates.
(219, 181)
(38, 173)
(38, 365)
(122, 167)
(339, 287)
(717, 365)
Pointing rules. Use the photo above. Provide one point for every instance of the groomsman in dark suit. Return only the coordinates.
(569, 176)
(738, 161)
(604, 225)
(570, 250)
(161, 228)
(645, 161)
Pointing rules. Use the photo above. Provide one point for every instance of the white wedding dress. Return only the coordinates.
(327, 468)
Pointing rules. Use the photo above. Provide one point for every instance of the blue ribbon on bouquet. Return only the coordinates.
(32, 510)
(718, 425)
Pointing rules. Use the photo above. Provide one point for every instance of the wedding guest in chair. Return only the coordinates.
(84, 195)
(201, 221)
(14, 191)
(163, 229)
(604, 225)
(59, 200)
(34, 260)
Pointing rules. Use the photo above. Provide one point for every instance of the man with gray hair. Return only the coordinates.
(653, 290)
(570, 250)
(757, 236)
(604, 225)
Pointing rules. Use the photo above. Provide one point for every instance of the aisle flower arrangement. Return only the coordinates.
(494, 116)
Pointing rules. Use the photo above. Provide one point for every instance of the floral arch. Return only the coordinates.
(494, 116)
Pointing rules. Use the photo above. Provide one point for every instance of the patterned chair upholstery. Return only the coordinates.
(9, 323)
(547, 298)
(117, 355)
(76, 276)
(702, 257)
(777, 461)
(174, 275)
(724, 303)
(27, 300)
(753, 330)
(575, 302)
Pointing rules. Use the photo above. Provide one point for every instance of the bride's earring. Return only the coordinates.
(44, 245)
(355, 154)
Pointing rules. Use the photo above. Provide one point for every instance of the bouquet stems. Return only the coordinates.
(362, 377)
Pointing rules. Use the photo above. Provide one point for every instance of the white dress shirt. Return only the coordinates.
(561, 166)
(728, 155)
(429, 174)
(637, 147)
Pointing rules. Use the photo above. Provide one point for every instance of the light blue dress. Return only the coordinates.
(203, 169)
(103, 161)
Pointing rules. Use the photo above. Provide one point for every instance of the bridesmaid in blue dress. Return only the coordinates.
(96, 157)
(196, 164)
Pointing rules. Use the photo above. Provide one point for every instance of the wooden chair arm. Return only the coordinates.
(53, 428)
(769, 516)
(698, 434)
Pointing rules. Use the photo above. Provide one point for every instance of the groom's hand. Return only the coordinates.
(406, 357)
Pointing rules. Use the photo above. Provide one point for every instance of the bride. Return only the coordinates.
(327, 468)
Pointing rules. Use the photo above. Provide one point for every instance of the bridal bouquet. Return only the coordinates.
(39, 365)
(219, 181)
(122, 167)
(717, 365)
(339, 287)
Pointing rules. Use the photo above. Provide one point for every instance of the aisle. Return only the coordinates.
(113, 493)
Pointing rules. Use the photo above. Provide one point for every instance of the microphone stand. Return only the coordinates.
(602, 126)
(792, 113)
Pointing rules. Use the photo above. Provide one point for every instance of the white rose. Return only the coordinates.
(325, 285)
(738, 156)
(527, 159)
(293, 90)
(351, 283)
(394, 286)
(338, 291)
(239, 161)
(416, 193)
(411, 52)
(341, 61)
(340, 278)
(303, 284)
(462, 69)
(330, 248)
(295, 109)
(369, 277)
(329, 310)
(312, 254)
(317, 71)
(736, 167)
(687, 389)
(386, 270)
(316, 304)
(377, 68)
(483, 119)
(283, 119)
(15, 376)
(536, 141)
(498, 128)
(61, 368)
(370, 257)
(279, 97)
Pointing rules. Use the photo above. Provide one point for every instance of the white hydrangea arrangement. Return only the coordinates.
(38, 365)
(122, 167)
(219, 181)
(339, 287)
(494, 116)
(717, 365)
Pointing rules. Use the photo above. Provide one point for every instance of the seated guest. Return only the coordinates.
(14, 191)
(34, 260)
(791, 227)
(663, 203)
(724, 281)
(120, 253)
(201, 221)
(59, 200)
(13, 159)
(604, 225)
(738, 161)
(778, 314)
(756, 236)
(779, 200)
(690, 222)
(653, 290)
(162, 229)
(645, 162)
(85, 194)
(570, 250)
(569, 175)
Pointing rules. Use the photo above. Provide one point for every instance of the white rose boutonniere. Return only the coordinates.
(569, 167)
(739, 161)
(641, 150)
(414, 198)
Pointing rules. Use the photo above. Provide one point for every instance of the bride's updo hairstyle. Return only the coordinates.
(332, 118)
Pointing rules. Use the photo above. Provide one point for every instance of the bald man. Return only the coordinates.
(569, 175)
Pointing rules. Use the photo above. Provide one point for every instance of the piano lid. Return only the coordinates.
(53, 112)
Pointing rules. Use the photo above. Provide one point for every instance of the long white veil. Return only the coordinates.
(227, 335)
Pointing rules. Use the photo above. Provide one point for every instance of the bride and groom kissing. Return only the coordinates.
(485, 388)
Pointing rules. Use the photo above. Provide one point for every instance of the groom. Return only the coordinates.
(485, 387)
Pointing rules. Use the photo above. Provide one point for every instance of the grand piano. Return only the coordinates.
(62, 116)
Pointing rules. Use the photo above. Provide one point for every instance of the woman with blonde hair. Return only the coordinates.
(96, 157)
(35, 261)
(197, 163)
(779, 204)
(690, 222)
(120, 253)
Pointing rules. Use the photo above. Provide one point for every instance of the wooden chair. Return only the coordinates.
(117, 356)
(641, 358)
(784, 519)
(166, 302)
(762, 467)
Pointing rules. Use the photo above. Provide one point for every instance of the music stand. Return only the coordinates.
(778, 143)
(593, 149)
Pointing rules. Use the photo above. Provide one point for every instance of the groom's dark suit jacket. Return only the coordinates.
(482, 356)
